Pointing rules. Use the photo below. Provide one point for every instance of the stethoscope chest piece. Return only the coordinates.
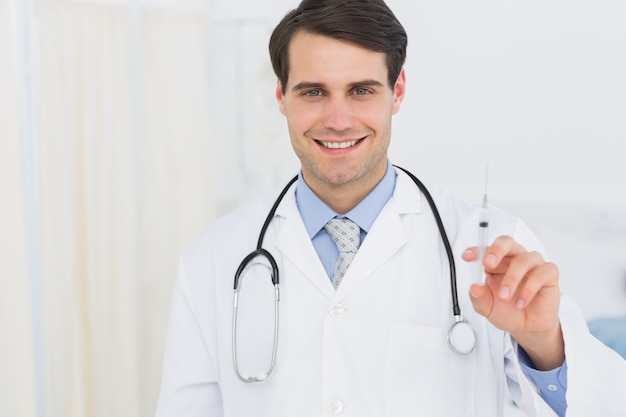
(461, 337)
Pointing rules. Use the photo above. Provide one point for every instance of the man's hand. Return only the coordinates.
(521, 296)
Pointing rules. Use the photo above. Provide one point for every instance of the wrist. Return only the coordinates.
(545, 350)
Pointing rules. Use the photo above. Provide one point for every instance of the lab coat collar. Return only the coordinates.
(385, 238)
(407, 197)
(316, 213)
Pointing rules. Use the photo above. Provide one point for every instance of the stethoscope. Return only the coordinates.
(461, 337)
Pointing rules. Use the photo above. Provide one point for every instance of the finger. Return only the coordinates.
(519, 266)
(482, 299)
(502, 247)
(470, 254)
(543, 276)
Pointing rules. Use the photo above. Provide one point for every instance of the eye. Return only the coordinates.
(360, 91)
(312, 93)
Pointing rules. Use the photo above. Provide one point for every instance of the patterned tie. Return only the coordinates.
(347, 236)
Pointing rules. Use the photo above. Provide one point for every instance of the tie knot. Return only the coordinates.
(345, 233)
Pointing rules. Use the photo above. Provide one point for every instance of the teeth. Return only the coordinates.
(339, 145)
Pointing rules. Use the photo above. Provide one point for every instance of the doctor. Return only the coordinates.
(370, 338)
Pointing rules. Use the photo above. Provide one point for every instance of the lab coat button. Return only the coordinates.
(336, 407)
(337, 311)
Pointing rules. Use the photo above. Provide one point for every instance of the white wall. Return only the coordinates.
(537, 88)
(534, 88)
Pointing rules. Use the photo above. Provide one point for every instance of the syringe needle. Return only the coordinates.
(483, 236)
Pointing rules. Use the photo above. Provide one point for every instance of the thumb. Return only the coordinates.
(482, 299)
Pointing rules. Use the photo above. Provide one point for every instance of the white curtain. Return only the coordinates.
(123, 185)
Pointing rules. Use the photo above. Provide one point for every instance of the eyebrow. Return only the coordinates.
(365, 83)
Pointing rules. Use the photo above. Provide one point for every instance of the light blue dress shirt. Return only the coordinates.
(315, 213)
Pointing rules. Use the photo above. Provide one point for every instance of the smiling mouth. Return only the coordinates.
(339, 145)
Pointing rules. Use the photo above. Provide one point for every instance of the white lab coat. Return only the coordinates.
(377, 345)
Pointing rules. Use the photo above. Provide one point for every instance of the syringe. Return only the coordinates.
(483, 235)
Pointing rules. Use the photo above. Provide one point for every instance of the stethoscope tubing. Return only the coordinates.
(456, 309)
(259, 252)
(461, 336)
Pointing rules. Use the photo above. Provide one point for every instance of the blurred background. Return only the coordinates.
(128, 126)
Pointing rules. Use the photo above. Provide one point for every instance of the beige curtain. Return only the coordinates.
(176, 179)
(17, 370)
(89, 205)
(124, 185)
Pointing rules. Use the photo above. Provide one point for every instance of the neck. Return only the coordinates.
(342, 198)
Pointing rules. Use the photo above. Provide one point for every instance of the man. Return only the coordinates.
(363, 331)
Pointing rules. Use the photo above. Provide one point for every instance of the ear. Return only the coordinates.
(399, 89)
(280, 97)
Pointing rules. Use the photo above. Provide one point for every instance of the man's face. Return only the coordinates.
(338, 106)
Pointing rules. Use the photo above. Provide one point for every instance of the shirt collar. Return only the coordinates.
(315, 213)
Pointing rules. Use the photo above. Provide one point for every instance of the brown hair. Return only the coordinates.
(367, 23)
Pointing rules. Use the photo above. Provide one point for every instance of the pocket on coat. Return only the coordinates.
(425, 377)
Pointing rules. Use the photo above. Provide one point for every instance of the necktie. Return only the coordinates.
(347, 236)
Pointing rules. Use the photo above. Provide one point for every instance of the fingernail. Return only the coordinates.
(519, 304)
(473, 294)
(490, 260)
(467, 252)
(504, 293)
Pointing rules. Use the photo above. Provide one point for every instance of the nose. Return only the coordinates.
(338, 114)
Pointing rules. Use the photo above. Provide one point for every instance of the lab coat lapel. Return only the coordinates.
(387, 235)
(384, 240)
(293, 242)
